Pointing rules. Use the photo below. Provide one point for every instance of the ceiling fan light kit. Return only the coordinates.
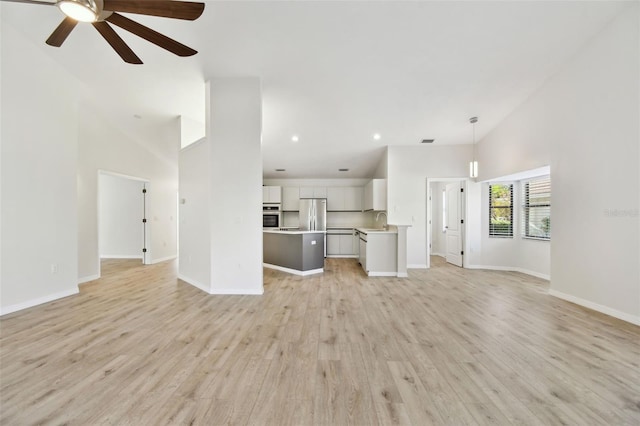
(102, 13)
(80, 10)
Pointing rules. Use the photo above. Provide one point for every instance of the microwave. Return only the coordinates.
(271, 216)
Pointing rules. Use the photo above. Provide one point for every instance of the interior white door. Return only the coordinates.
(454, 224)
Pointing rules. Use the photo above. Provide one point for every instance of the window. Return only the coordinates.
(536, 208)
(501, 210)
(444, 210)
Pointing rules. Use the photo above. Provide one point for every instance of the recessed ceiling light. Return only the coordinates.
(377, 136)
(280, 170)
(343, 170)
(427, 140)
(295, 138)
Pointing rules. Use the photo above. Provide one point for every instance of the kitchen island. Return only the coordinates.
(293, 251)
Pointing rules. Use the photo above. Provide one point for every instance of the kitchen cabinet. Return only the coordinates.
(272, 194)
(291, 198)
(353, 198)
(313, 192)
(379, 253)
(347, 198)
(333, 244)
(340, 243)
(375, 195)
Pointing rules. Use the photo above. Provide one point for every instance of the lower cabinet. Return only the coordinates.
(340, 245)
(378, 253)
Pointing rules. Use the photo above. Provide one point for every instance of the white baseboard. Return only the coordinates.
(402, 275)
(509, 269)
(238, 291)
(88, 278)
(163, 259)
(633, 319)
(121, 256)
(417, 266)
(39, 301)
(293, 271)
(439, 254)
(343, 256)
(220, 291)
(382, 274)
(194, 283)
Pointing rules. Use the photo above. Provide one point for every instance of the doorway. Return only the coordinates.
(446, 204)
(123, 234)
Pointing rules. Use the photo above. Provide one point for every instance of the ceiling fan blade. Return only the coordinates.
(59, 35)
(43, 3)
(117, 43)
(165, 8)
(151, 35)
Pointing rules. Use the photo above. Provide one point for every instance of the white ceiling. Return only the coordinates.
(335, 73)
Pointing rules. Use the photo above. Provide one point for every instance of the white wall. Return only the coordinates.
(120, 214)
(102, 146)
(408, 170)
(195, 227)
(234, 127)
(191, 131)
(585, 123)
(382, 170)
(38, 145)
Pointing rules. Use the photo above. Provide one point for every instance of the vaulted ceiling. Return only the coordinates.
(335, 73)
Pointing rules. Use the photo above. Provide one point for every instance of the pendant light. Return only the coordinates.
(473, 164)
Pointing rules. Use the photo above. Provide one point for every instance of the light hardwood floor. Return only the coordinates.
(445, 346)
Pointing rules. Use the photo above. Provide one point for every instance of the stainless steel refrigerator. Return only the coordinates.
(313, 216)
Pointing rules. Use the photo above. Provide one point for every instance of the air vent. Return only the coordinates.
(428, 140)
(280, 170)
(343, 170)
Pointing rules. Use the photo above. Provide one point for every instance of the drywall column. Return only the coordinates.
(233, 127)
(402, 250)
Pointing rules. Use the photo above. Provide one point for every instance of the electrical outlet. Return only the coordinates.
(54, 268)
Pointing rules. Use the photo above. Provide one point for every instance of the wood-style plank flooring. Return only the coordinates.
(445, 346)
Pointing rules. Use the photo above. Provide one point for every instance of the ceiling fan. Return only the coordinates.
(102, 12)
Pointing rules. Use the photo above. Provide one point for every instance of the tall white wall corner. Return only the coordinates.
(194, 266)
(234, 127)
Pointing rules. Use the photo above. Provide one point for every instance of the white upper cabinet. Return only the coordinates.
(335, 199)
(272, 194)
(347, 198)
(353, 197)
(375, 195)
(291, 198)
(313, 192)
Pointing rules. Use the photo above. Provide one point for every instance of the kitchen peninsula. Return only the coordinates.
(294, 251)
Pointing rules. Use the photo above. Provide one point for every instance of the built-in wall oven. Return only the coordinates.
(271, 216)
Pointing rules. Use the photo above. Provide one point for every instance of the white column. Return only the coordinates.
(233, 128)
(402, 251)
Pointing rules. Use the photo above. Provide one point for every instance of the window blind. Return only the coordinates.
(501, 210)
(536, 208)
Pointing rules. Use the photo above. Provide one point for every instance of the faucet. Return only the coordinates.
(386, 225)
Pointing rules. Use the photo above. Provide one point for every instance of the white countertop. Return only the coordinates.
(377, 230)
(290, 232)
